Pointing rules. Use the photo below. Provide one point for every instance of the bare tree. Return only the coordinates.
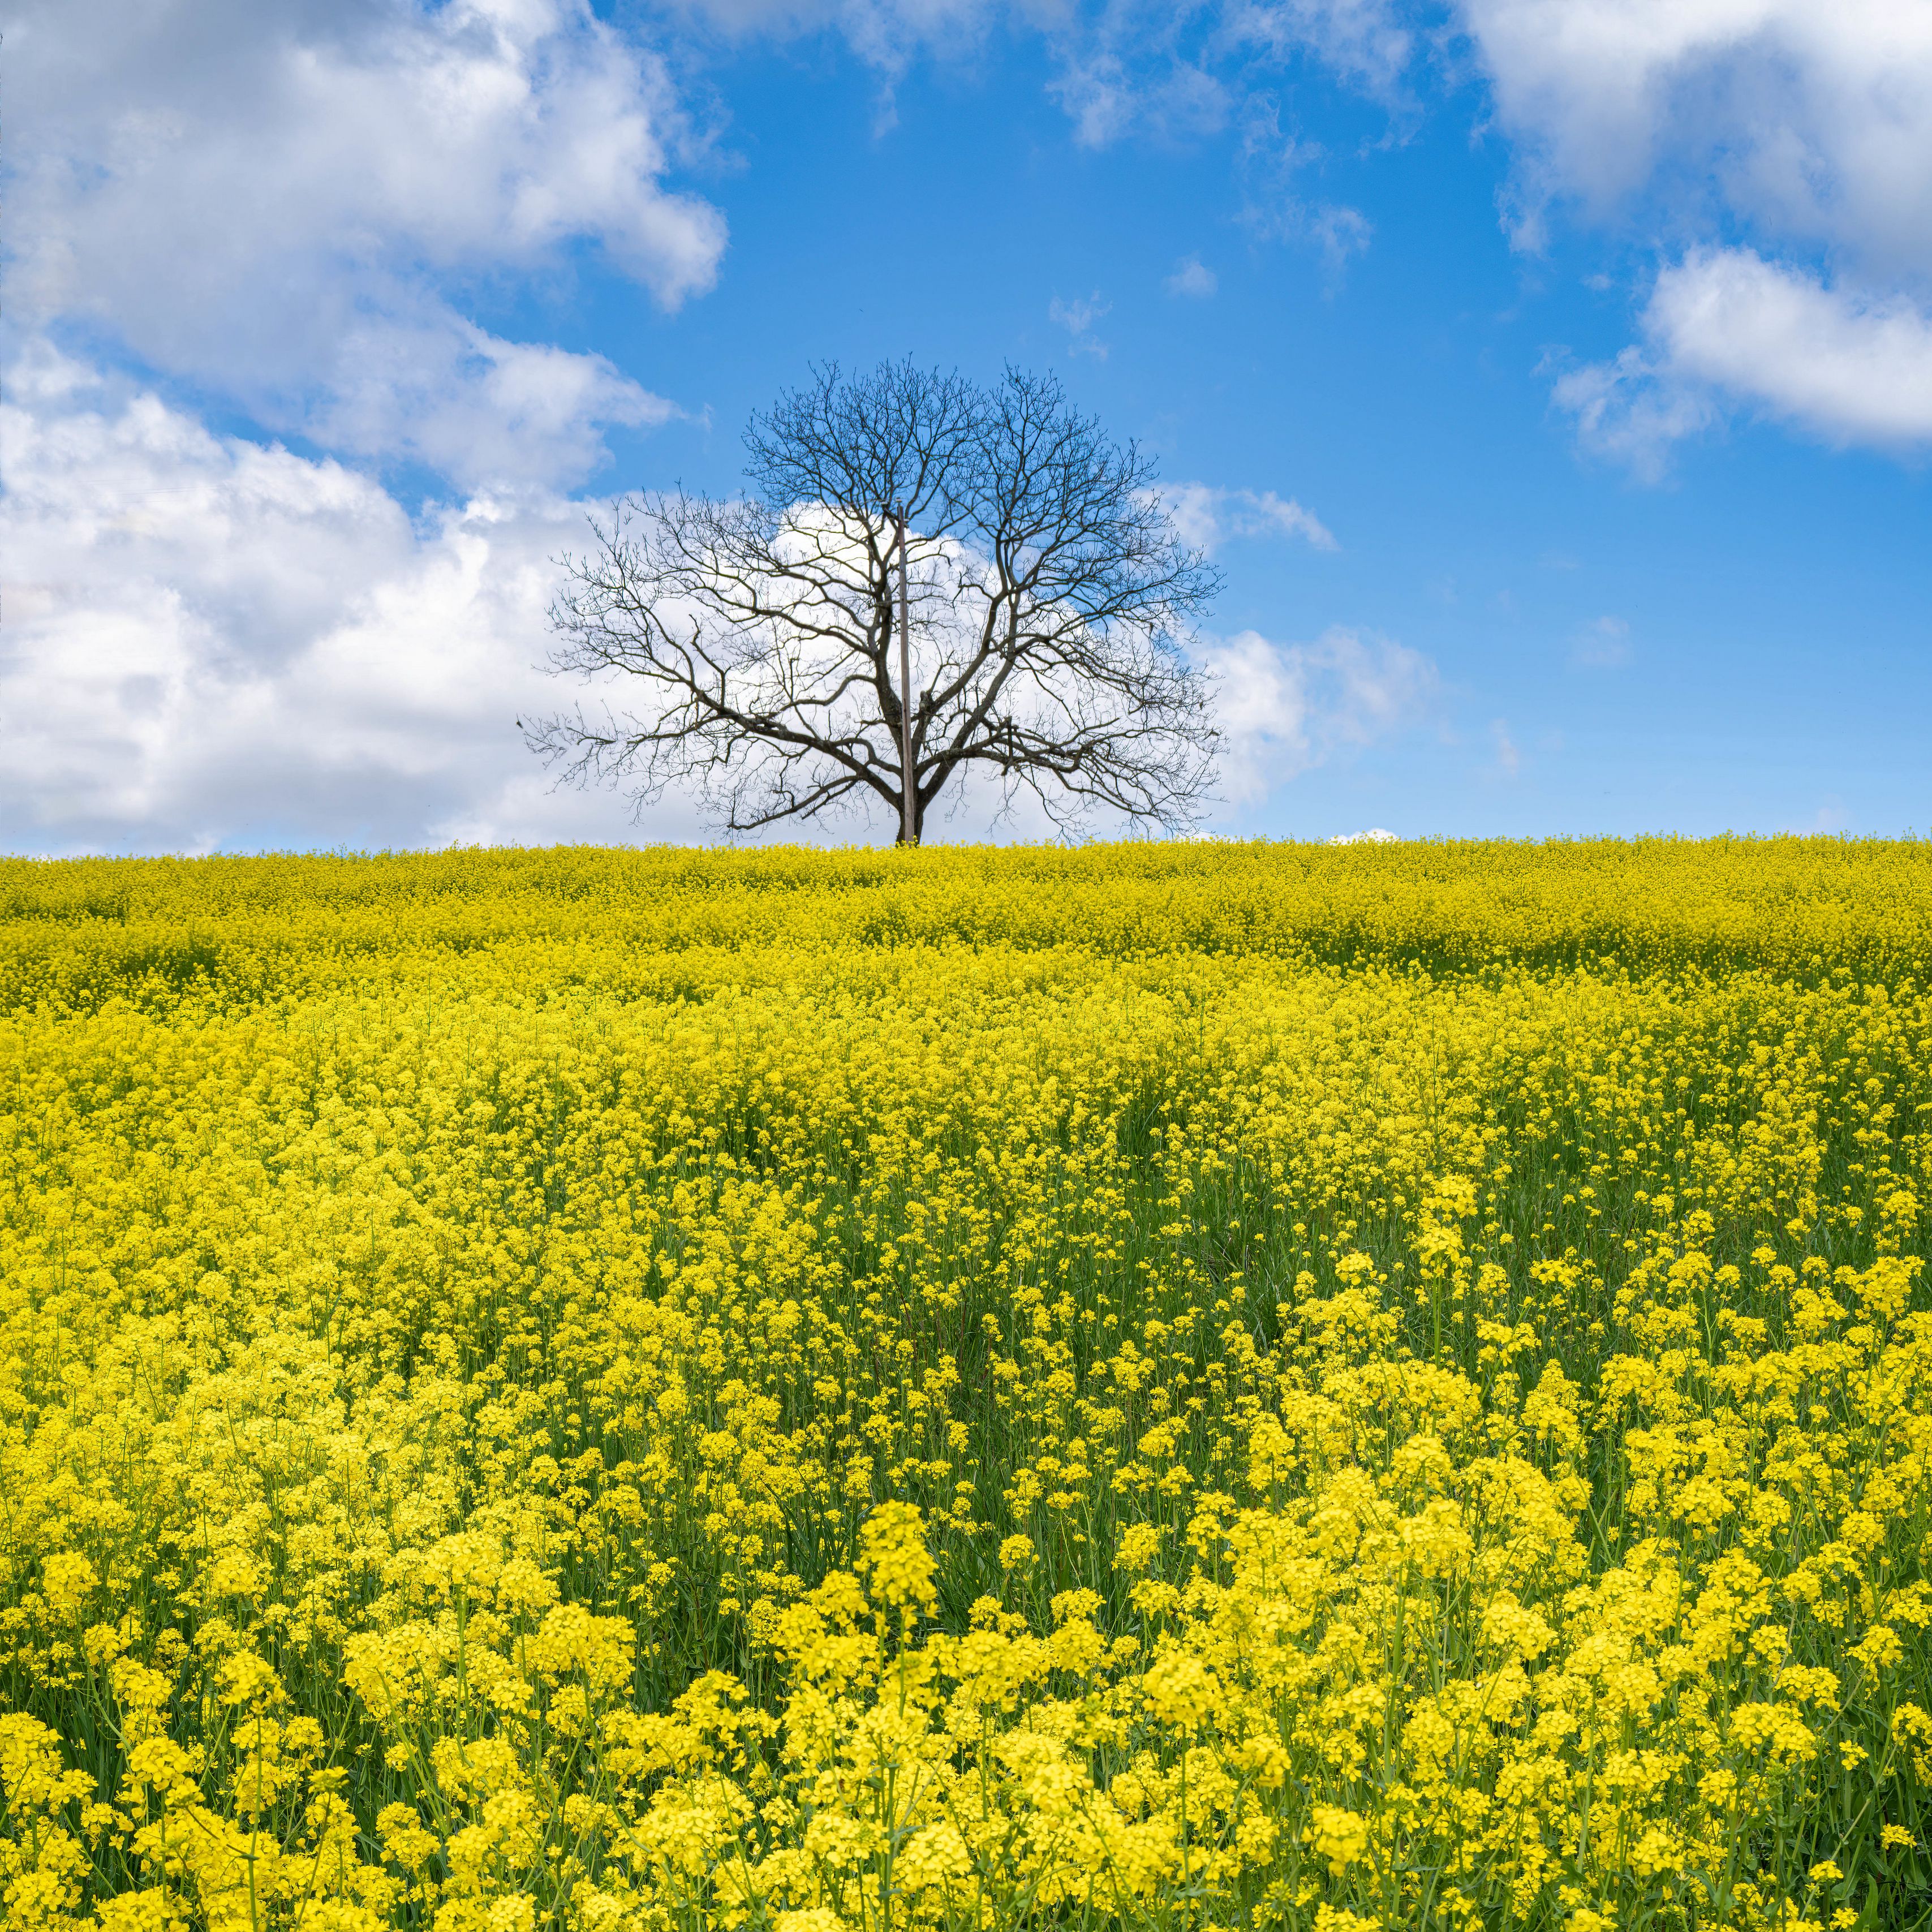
(1049, 597)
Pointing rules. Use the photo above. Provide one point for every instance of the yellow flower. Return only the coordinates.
(1179, 1690)
(66, 1579)
(1338, 1834)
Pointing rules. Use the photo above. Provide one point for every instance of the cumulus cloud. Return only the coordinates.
(282, 203)
(212, 643)
(478, 410)
(1815, 121)
(1287, 708)
(209, 641)
(1846, 366)
(1803, 131)
(1207, 517)
(1852, 366)
(285, 209)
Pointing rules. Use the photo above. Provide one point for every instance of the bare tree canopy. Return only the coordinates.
(1050, 602)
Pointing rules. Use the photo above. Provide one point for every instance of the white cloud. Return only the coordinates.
(1125, 69)
(1806, 130)
(888, 33)
(1803, 131)
(212, 643)
(1629, 412)
(1852, 368)
(209, 641)
(1207, 517)
(1078, 318)
(1191, 278)
(475, 409)
(287, 207)
(1272, 164)
(1118, 86)
(1375, 836)
(284, 203)
(1126, 66)
(1603, 645)
(1287, 708)
(1813, 121)
(1509, 760)
(1364, 41)
(1849, 368)
(1341, 233)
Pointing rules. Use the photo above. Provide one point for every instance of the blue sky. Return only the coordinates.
(1589, 344)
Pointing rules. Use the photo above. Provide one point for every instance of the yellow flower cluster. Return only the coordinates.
(1180, 1385)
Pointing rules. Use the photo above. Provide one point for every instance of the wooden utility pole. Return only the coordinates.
(907, 831)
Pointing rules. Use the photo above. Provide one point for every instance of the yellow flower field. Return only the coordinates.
(1159, 1385)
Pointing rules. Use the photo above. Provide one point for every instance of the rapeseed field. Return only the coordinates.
(1170, 1385)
